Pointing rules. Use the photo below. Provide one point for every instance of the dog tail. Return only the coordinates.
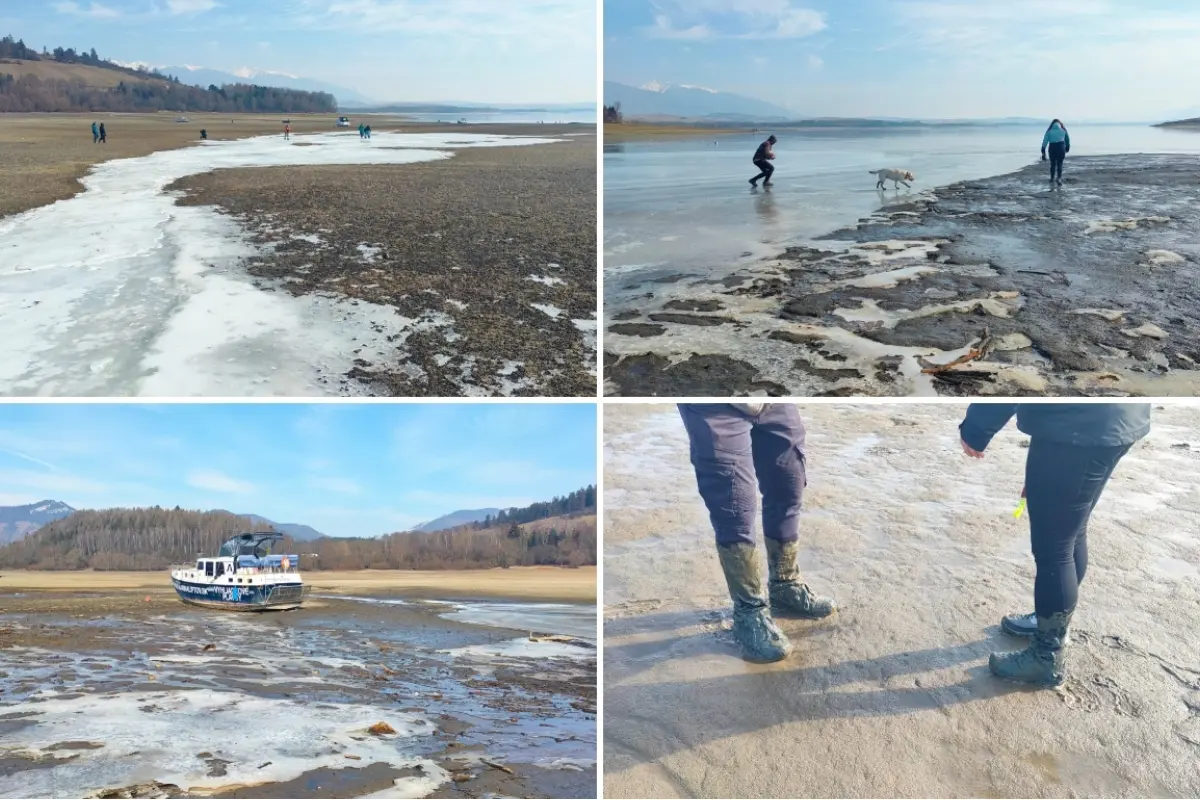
(874, 171)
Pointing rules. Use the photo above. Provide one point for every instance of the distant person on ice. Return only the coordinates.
(287, 131)
(95, 133)
(763, 157)
(103, 134)
(739, 450)
(362, 131)
(1073, 451)
(367, 130)
(1059, 142)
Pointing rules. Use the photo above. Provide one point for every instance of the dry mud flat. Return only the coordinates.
(493, 255)
(1091, 289)
(892, 696)
(120, 695)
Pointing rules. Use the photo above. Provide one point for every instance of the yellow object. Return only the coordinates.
(1020, 509)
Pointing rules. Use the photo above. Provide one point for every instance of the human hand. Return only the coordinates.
(1043, 156)
(970, 451)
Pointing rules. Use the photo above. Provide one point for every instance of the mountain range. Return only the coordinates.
(455, 519)
(17, 522)
(205, 77)
(656, 99)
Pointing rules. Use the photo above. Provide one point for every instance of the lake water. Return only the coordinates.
(585, 116)
(685, 206)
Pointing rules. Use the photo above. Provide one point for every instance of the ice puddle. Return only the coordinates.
(118, 291)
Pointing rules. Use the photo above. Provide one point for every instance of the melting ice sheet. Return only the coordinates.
(118, 291)
(562, 618)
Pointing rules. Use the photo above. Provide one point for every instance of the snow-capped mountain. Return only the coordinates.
(17, 522)
(205, 77)
(656, 99)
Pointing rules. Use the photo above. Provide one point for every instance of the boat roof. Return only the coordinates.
(255, 538)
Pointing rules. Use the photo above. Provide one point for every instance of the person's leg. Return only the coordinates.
(721, 455)
(778, 447)
(762, 171)
(768, 170)
(1062, 486)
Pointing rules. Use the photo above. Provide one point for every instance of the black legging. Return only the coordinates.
(1062, 485)
(766, 170)
(1058, 154)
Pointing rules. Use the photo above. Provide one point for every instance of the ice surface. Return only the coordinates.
(118, 291)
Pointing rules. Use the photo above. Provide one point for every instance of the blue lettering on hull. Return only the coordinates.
(239, 597)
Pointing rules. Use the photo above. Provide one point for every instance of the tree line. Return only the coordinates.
(559, 533)
(146, 90)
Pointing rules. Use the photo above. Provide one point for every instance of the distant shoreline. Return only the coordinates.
(540, 584)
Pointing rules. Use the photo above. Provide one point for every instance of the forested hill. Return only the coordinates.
(124, 539)
(561, 532)
(66, 80)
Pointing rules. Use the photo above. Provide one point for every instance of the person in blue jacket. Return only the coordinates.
(1059, 143)
(738, 451)
(1073, 451)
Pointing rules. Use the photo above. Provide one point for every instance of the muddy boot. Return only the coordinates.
(1024, 625)
(790, 597)
(759, 636)
(1044, 662)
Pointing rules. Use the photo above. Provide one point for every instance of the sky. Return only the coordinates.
(345, 469)
(487, 51)
(1116, 60)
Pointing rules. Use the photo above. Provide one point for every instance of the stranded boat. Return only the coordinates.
(244, 576)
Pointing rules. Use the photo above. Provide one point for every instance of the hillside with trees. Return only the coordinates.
(561, 532)
(66, 80)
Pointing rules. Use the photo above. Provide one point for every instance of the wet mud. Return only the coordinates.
(1004, 286)
(892, 697)
(117, 695)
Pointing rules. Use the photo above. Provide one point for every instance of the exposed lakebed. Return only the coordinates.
(354, 696)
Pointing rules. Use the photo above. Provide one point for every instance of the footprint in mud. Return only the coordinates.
(633, 608)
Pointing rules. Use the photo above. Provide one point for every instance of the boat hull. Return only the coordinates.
(269, 597)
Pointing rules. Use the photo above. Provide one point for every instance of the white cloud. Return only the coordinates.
(815, 61)
(214, 481)
(734, 19)
(93, 10)
(30, 459)
(191, 6)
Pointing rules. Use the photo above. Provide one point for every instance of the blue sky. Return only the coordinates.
(492, 51)
(345, 469)
(1079, 59)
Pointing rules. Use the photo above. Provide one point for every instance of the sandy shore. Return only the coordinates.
(492, 251)
(892, 697)
(1090, 289)
(542, 584)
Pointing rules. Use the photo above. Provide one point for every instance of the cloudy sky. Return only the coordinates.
(345, 469)
(1079, 59)
(489, 51)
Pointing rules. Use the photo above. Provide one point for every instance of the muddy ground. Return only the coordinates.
(468, 724)
(495, 248)
(1089, 289)
(892, 696)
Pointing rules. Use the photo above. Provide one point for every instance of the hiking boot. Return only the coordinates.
(790, 597)
(755, 631)
(754, 182)
(1044, 662)
(1024, 625)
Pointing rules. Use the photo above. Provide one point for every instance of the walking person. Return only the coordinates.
(103, 134)
(287, 131)
(739, 450)
(95, 133)
(763, 157)
(368, 131)
(1059, 143)
(362, 131)
(1073, 451)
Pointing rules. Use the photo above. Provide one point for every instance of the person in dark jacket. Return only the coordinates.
(737, 451)
(1059, 141)
(1073, 451)
(763, 157)
(95, 133)
(103, 134)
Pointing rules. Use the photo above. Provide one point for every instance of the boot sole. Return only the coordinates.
(784, 614)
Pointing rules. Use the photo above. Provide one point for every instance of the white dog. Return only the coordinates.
(896, 176)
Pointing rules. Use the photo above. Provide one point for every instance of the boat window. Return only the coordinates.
(220, 569)
(199, 565)
(208, 568)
